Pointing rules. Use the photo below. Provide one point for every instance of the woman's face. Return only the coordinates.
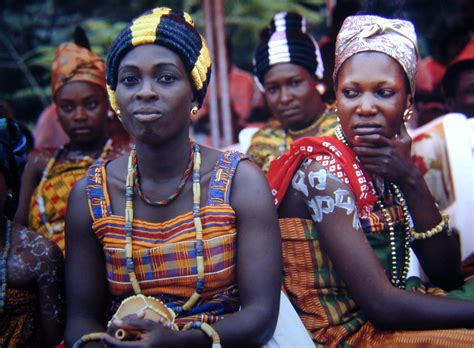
(82, 111)
(154, 94)
(291, 95)
(371, 95)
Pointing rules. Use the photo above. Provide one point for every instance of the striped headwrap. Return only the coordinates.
(172, 29)
(394, 37)
(286, 41)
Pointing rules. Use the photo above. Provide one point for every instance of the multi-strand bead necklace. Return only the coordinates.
(131, 184)
(396, 279)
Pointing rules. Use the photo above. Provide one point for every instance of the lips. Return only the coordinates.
(367, 128)
(289, 112)
(81, 131)
(147, 115)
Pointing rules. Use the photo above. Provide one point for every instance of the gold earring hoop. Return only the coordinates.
(407, 114)
(194, 111)
(119, 115)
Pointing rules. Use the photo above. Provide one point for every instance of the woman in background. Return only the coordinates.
(78, 88)
(289, 71)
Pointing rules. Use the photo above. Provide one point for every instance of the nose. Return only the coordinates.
(80, 114)
(146, 91)
(366, 105)
(285, 95)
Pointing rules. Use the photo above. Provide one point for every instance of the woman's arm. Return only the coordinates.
(259, 269)
(331, 205)
(48, 263)
(86, 286)
(390, 158)
(30, 179)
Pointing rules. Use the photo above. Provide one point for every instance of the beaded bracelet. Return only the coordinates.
(208, 330)
(444, 224)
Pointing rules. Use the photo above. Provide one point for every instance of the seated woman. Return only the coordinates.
(31, 269)
(78, 87)
(289, 71)
(187, 224)
(351, 207)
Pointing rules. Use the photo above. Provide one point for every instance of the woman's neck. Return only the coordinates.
(87, 149)
(164, 160)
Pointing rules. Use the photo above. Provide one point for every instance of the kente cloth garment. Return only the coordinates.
(55, 192)
(394, 37)
(75, 63)
(164, 252)
(318, 293)
(272, 140)
(19, 322)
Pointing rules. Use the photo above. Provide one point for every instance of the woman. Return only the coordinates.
(346, 206)
(78, 87)
(289, 70)
(31, 270)
(143, 211)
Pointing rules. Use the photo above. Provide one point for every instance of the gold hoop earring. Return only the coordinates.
(194, 111)
(119, 115)
(407, 114)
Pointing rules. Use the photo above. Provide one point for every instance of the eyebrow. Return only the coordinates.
(137, 66)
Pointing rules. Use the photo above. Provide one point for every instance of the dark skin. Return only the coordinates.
(291, 95)
(371, 95)
(82, 111)
(155, 98)
(36, 263)
(463, 99)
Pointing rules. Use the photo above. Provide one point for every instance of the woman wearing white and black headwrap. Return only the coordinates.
(352, 206)
(288, 69)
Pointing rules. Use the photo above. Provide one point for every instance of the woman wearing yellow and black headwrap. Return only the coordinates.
(189, 225)
(352, 206)
(79, 92)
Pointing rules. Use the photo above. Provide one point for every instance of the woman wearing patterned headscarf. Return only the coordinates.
(31, 267)
(353, 205)
(189, 225)
(289, 71)
(79, 91)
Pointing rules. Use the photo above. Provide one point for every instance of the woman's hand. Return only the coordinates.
(386, 157)
(140, 332)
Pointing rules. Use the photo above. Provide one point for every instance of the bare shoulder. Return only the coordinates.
(35, 246)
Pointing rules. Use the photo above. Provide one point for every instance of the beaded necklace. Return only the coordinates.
(129, 195)
(4, 249)
(171, 197)
(39, 198)
(397, 280)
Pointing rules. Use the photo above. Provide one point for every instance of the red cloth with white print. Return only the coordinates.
(333, 155)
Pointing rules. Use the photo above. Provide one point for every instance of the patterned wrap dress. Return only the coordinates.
(55, 192)
(319, 295)
(164, 254)
(20, 319)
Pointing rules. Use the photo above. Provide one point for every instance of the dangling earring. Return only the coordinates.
(10, 195)
(320, 88)
(407, 114)
(194, 112)
(119, 115)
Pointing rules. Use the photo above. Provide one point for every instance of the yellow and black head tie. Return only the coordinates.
(172, 29)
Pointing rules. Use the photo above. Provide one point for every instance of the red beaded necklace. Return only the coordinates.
(171, 197)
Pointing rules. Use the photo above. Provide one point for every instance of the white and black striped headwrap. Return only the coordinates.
(286, 41)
